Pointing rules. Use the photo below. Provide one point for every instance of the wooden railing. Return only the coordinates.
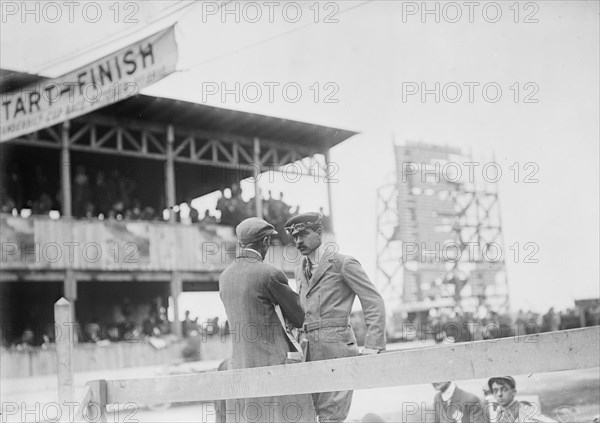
(547, 352)
(41, 243)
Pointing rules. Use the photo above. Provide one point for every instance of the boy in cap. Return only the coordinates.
(328, 283)
(250, 290)
(509, 409)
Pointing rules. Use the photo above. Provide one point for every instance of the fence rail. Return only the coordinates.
(547, 352)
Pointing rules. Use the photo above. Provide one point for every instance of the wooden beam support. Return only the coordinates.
(256, 167)
(170, 174)
(328, 183)
(546, 352)
(65, 172)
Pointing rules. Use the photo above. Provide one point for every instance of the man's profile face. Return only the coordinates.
(307, 241)
(503, 393)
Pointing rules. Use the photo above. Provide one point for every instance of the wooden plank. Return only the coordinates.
(81, 411)
(97, 410)
(547, 352)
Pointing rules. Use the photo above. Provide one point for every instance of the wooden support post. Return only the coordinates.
(70, 293)
(65, 172)
(257, 193)
(82, 410)
(170, 174)
(176, 288)
(64, 355)
(328, 183)
(98, 402)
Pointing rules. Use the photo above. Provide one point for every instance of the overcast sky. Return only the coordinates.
(370, 57)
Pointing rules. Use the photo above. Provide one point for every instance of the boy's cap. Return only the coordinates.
(253, 229)
(299, 223)
(509, 380)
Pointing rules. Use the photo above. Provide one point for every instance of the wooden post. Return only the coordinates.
(328, 183)
(170, 174)
(64, 354)
(70, 293)
(257, 193)
(176, 288)
(65, 172)
(98, 402)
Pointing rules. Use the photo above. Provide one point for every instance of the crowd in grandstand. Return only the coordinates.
(110, 195)
(443, 326)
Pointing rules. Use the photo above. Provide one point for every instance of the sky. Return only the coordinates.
(363, 59)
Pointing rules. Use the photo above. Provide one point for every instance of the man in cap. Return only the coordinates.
(328, 283)
(250, 290)
(509, 409)
(453, 405)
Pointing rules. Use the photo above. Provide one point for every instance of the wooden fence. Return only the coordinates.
(547, 352)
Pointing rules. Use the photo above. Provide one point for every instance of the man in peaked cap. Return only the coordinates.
(328, 283)
(250, 290)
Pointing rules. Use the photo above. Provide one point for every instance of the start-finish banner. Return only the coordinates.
(113, 78)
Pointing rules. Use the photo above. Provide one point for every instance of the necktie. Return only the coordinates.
(308, 270)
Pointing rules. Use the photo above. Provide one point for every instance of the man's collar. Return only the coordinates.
(447, 394)
(316, 256)
(250, 250)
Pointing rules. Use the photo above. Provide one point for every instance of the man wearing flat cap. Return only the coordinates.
(328, 283)
(250, 290)
(504, 389)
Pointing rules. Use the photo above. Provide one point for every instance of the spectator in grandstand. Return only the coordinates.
(208, 219)
(81, 191)
(225, 208)
(42, 205)
(102, 194)
(188, 325)
(148, 213)
(136, 210)
(90, 210)
(8, 204)
(194, 215)
(551, 321)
